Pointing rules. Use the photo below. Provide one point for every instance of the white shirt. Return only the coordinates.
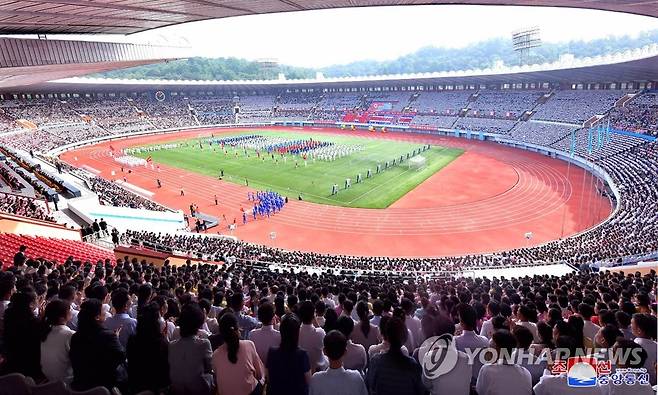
(487, 329)
(413, 323)
(651, 347)
(329, 303)
(533, 364)
(455, 382)
(471, 340)
(311, 340)
(557, 385)
(265, 338)
(55, 361)
(590, 330)
(358, 337)
(355, 357)
(503, 379)
(533, 329)
(337, 382)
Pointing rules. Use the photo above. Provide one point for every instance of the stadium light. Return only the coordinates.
(524, 40)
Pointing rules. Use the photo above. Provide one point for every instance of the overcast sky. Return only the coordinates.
(321, 38)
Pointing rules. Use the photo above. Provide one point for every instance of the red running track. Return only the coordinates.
(484, 201)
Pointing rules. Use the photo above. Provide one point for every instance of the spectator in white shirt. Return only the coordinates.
(365, 333)
(524, 356)
(355, 357)
(644, 329)
(377, 310)
(624, 324)
(337, 379)
(310, 337)
(493, 309)
(458, 380)
(67, 293)
(504, 376)
(384, 346)
(56, 342)
(320, 310)
(636, 361)
(525, 315)
(590, 329)
(327, 299)
(412, 322)
(121, 321)
(265, 337)
(468, 338)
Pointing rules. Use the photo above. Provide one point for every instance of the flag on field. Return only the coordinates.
(111, 148)
(599, 135)
(149, 159)
(572, 151)
(589, 141)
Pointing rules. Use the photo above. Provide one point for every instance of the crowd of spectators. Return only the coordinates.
(440, 102)
(541, 133)
(8, 178)
(639, 115)
(111, 193)
(504, 104)
(24, 206)
(209, 328)
(490, 125)
(577, 106)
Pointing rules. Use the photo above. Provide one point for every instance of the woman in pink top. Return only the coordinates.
(238, 369)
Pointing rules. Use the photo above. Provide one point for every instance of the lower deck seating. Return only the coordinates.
(49, 249)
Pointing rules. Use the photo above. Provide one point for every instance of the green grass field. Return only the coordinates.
(315, 180)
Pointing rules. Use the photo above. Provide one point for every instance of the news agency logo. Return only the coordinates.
(581, 372)
(439, 356)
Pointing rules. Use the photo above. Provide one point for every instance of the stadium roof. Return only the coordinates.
(132, 16)
(632, 66)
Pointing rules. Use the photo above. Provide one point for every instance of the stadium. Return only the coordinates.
(285, 236)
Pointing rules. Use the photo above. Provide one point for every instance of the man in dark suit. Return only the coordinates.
(20, 258)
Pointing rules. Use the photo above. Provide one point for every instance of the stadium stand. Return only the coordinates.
(504, 104)
(639, 115)
(576, 106)
(49, 249)
(490, 125)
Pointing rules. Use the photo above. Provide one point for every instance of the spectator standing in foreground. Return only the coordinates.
(503, 376)
(393, 372)
(56, 342)
(337, 379)
(288, 366)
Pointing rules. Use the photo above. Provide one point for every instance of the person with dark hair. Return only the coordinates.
(190, 368)
(68, 293)
(457, 381)
(266, 336)
(365, 333)
(607, 336)
(384, 346)
(121, 322)
(337, 376)
(524, 316)
(590, 329)
(627, 355)
(310, 337)
(320, 309)
(22, 335)
(20, 257)
(95, 351)
(493, 309)
(355, 357)
(147, 352)
(524, 356)
(377, 310)
(56, 342)
(469, 339)
(545, 333)
(393, 372)
(624, 323)
(412, 322)
(288, 366)
(7, 288)
(246, 322)
(644, 329)
(504, 376)
(238, 368)
(330, 320)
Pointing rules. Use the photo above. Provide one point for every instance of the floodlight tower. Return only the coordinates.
(523, 40)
